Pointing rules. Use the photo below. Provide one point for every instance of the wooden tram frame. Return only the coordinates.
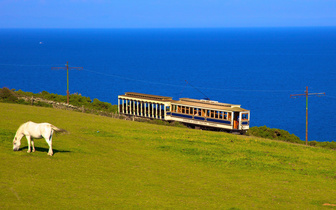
(205, 114)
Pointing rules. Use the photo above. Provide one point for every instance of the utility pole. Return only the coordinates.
(67, 68)
(306, 94)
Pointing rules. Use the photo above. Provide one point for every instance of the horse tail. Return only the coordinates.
(58, 130)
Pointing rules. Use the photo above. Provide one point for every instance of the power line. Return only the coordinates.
(206, 97)
(166, 84)
(334, 97)
(183, 86)
(22, 65)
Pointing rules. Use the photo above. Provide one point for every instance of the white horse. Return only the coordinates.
(35, 131)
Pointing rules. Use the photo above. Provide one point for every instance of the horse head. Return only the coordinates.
(16, 144)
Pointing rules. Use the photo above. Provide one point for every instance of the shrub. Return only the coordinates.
(332, 145)
(313, 143)
(21, 93)
(7, 95)
(54, 97)
(103, 106)
(21, 101)
(43, 93)
(42, 104)
(78, 100)
(323, 144)
(273, 133)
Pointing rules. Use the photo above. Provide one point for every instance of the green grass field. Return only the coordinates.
(109, 163)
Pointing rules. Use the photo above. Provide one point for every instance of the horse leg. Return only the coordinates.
(32, 143)
(49, 141)
(28, 140)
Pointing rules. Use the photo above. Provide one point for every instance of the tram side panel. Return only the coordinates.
(199, 121)
(209, 118)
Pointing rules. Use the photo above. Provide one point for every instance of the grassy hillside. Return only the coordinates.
(111, 163)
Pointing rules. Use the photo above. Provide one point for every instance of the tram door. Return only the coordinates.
(235, 120)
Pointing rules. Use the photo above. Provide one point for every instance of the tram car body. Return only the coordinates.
(198, 113)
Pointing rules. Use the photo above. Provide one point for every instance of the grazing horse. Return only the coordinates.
(35, 131)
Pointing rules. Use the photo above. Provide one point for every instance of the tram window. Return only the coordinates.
(216, 114)
(179, 109)
(207, 113)
(187, 110)
(212, 114)
(200, 112)
(167, 108)
(229, 115)
(225, 115)
(183, 110)
(191, 110)
(220, 115)
(245, 116)
(204, 112)
(195, 111)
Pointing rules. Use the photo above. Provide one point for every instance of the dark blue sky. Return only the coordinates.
(165, 13)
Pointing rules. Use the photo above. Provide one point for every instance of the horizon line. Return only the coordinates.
(151, 28)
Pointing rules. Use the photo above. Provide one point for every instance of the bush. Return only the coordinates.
(313, 143)
(103, 106)
(332, 145)
(326, 144)
(21, 101)
(21, 93)
(78, 100)
(53, 97)
(74, 99)
(42, 104)
(7, 95)
(273, 133)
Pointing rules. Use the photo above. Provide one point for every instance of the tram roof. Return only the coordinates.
(148, 96)
(208, 104)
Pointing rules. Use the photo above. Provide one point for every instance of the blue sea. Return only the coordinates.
(258, 68)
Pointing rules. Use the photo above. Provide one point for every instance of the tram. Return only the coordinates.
(203, 114)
